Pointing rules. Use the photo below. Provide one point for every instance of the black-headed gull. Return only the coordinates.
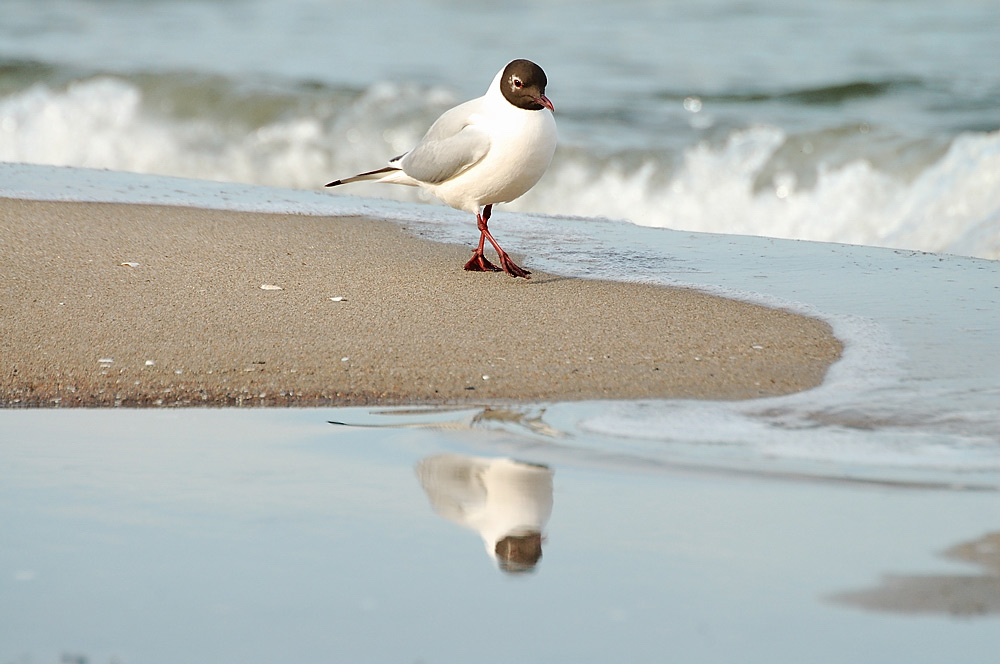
(486, 151)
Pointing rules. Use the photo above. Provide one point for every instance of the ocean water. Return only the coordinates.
(857, 121)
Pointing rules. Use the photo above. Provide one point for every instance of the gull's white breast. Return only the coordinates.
(522, 143)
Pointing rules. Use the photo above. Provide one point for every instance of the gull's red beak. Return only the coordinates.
(544, 101)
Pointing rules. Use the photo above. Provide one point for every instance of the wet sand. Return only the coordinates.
(134, 305)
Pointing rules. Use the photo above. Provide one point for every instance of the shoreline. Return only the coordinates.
(172, 297)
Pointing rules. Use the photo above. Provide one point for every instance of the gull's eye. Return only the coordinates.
(517, 83)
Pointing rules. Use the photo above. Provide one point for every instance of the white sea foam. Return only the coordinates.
(101, 123)
(952, 205)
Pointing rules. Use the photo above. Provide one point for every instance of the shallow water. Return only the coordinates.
(259, 535)
(857, 121)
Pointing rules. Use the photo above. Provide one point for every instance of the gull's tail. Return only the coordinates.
(393, 174)
(370, 175)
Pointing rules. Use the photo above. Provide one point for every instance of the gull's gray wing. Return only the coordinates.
(449, 147)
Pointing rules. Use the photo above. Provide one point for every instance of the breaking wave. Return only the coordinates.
(851, 184)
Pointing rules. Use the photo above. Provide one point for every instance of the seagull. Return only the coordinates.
(486, 151)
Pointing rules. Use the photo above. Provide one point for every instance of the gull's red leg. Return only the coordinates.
(478, 262)
(509, 266)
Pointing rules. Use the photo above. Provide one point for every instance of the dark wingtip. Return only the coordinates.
(334, 183)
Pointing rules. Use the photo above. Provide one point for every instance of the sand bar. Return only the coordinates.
(134, 305)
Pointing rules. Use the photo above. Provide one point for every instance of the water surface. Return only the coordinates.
(256, 535)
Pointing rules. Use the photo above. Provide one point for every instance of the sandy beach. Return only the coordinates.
(109, 304)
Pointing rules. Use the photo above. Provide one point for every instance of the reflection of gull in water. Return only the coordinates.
(955, 594)
(507, 502)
